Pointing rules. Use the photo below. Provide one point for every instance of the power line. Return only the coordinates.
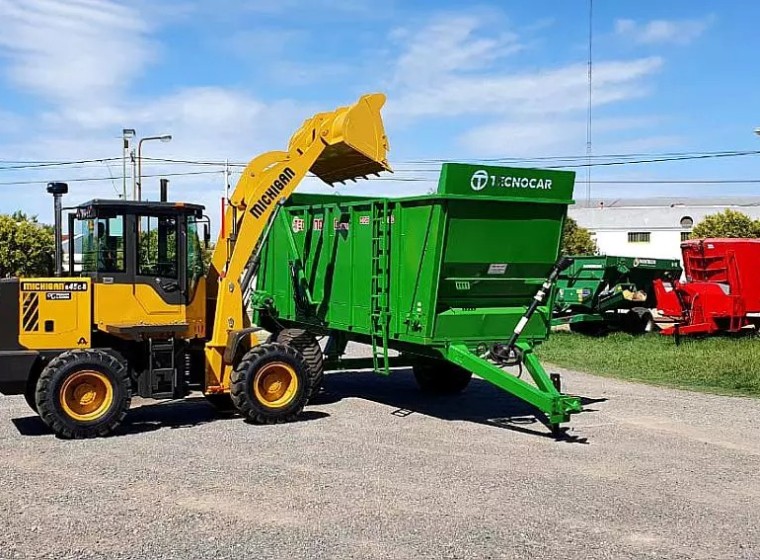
(94, 179)
(665, 156)
(43, 164)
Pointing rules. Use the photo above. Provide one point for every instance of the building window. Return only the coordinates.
(687, 222)
(639, 237)
(685, 235)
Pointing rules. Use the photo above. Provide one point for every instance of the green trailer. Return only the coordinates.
(458, 282)
(599, 293)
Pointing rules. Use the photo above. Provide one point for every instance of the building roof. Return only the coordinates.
(670, 201)
(647, 217)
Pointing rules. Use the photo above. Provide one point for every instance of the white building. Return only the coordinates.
(652, 227)
(77, 252)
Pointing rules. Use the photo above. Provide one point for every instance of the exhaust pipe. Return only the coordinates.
(164, 189)
(58, 190)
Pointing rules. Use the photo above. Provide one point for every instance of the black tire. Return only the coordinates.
(303, 341)
(77, 370)
(441, 377)
(251, 372)
(30, 396)
(638, 321)
(30, 393)
(591, 328)
(222, 402)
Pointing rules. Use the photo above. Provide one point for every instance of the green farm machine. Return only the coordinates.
(457, 283)
(600, 293)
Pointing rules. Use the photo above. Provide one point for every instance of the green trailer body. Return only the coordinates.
(597, 293)
(437, 277)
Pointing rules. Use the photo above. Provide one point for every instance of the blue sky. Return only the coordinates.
(233, 78)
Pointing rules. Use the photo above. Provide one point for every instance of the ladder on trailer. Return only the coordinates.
(379, 293)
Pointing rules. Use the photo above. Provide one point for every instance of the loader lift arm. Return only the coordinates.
(345, 144)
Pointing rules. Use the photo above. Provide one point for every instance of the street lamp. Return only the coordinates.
(162, 138)
(757, 131)
(126, 134)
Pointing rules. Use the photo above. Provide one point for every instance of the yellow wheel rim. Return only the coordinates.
(275, 385)
(86, 395)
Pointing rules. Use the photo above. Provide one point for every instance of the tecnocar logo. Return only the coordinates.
(479, 180)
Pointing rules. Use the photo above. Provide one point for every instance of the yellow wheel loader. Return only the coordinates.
(136, 314)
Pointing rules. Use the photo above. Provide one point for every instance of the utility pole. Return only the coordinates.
(134, 173)
(227, 179)
(126, 134)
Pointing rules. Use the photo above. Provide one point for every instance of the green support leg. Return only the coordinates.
(544, 395)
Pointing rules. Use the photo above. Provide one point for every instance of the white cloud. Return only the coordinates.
(75, 51)
(541, 136)
(207, 123)
(453, 67)
(552, 91)
(679, 32)
(450, 45)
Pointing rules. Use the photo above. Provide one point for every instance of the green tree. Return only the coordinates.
(577, 240)
(27, 247)
(208, 253)
(728, 223)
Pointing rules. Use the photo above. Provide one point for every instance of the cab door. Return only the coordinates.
(160, 275)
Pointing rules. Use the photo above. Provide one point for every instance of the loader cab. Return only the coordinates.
(155, 244)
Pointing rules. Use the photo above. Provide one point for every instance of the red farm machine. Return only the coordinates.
(721, 292)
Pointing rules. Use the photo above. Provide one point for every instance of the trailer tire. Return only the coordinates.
(591, 328)
(441, 377)
(83, 394)
(305, 342)
(638, 321)
(270, 385)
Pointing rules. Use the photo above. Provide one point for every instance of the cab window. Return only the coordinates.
(157, 253)
(102, 244)
(195, 266)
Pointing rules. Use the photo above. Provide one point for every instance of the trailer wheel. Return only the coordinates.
(638, 321)
(590, 328)
(271, 384)
(303, 341)
(83, 394)
(441, 377)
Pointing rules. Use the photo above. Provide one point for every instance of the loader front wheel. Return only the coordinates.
(303, 341)
(83, 394)
(271, 384)
(441, 377)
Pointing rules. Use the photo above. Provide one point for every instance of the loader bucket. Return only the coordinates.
(355, 138)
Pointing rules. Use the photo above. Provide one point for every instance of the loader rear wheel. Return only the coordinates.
(271, 384)
(30, 396)
(441, 377)
(83, 394)
(303, 341)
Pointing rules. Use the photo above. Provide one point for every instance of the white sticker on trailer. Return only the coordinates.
(497, 269)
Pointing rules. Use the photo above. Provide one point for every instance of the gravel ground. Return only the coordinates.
(376, 470)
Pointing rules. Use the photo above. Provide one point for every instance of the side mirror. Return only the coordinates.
(206, 236)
